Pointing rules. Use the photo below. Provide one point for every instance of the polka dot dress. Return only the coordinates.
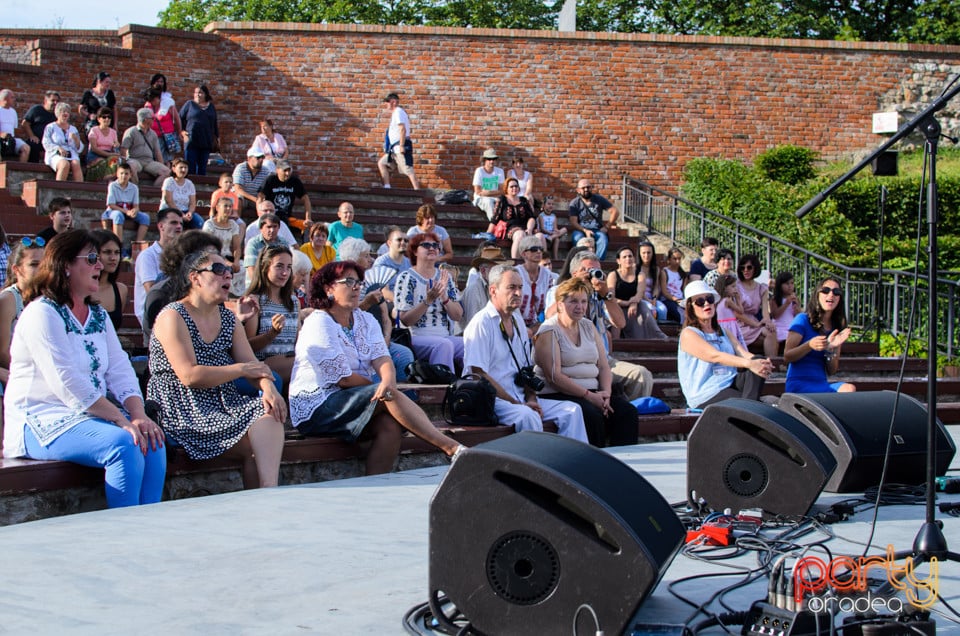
(206, 422)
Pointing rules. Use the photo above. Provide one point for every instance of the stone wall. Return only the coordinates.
(571, 103)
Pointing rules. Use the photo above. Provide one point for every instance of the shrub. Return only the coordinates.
(791, 165)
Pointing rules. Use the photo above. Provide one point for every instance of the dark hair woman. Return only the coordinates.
(200, 133)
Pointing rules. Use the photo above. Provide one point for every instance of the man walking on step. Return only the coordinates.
(397, 146)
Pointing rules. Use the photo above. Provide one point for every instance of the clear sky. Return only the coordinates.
(79, 14)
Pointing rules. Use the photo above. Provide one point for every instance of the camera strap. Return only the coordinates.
(503, 331)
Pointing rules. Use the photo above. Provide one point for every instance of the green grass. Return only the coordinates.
(909, 163)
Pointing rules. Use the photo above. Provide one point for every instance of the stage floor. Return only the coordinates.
(341, 557)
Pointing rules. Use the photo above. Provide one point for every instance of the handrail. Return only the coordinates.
(871, 303)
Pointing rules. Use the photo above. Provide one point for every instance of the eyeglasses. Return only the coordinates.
(91, 257)
(218, 269)
(37, 241)
(430, 245)
(353, 283)
(535, 248)
(831, 290)
(104, 117)
(746, 267)
(514, 185)
(401, 240)
(703, 301)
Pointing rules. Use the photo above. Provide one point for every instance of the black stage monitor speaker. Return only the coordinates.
(526, 529)
(746, 454)
(854, 427)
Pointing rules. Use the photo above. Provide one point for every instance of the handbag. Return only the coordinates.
(172, 143)
(422, 372)
(401, 336)
(8, 146)
(469, 401)
(500, 230)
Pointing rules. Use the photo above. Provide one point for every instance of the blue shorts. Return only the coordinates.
(118, 217)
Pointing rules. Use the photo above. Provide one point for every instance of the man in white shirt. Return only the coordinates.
(496, 347)
(398, 146)
(9, 124)
(253, 230)
(169, 225)
(487, 182)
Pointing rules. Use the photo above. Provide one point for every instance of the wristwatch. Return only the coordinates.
(609, 296)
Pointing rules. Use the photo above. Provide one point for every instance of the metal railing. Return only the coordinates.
(872, 304)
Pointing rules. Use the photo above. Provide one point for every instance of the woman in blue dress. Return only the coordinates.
(813, 344)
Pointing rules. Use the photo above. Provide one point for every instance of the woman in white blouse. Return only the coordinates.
(61, 142)
(65, 361)
(271, 144)
(343, 382)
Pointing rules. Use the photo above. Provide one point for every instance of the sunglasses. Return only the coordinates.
(38, 241)
(353, 283)
(218, 269)
(703, 301)
(535, 248)
(401, 240)
(430, 245)
(831, 290)
(91, 257)
(747, 267)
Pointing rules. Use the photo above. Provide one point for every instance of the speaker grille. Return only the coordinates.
(523, 568)
(745, 475)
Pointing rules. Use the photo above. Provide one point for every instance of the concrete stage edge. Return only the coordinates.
(340, 557)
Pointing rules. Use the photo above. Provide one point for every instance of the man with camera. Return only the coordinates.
(497, 348)
(603, 311)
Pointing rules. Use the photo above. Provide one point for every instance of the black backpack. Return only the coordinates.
(469, 401)
(452, 196)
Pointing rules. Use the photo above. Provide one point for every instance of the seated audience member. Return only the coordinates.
(525, 178)
(4, 256)
(629, 287)
(165, 124)
(395, 256)
(729, 307)
(427, 301)
(726, 264)
(200, 134)
(225, 189)
(140, 146)
(812, 349)
(196, 352)
(572, 361)
(267, 207)
(249, 177)
(427, 223)
(123, 202)
(517, 213)
(344, 383)
(272, 145)
(302, 271)
(111, 295)
(34, 122)
(604, 312)
(60, 212)
(224, 228)
(62, 145)
(549, 226)
(648, 276)
(103, 142)
(672, 280)
(487, 182)
(161, 292)
(497, 348)
(180, 193)
(23, 264)
(54, 413)
(586, 217)
(147, 266)
(268, 237)
(476, 293)
(707, 261)
(345, 227)
(755, 323)
(96, 97)
(286, 190)
(536, 282)
(712, 367)
(317, 248)
(272, 330)
(784, 305)
(8, 127)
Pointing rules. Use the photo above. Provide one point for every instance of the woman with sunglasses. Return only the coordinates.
(754, 317)
(197, 351)
(344, 382)
(104, 143)
(517, 213)
(273, 329)
(22, 265)
(711, 366)
(64, 360)
(812, 349)
(536, 281)
(427, 224)
(427, 300)
(111, 295)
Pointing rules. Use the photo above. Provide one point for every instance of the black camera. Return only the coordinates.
(525, 377)
(596, 273)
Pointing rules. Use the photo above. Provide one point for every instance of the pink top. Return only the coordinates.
(752, 301)
(783, 322)
(106, 142)
(273, 148)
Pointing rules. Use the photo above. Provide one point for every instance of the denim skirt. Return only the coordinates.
(344, 414)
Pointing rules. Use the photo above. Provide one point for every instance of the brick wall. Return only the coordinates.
(572, 104)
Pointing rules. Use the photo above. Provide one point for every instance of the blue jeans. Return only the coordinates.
(197, 160)
(401, 357)
(117, 217)
(131, 477)
(599, 237)
(245, 387)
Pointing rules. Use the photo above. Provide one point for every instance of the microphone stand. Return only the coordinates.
(930, 542)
